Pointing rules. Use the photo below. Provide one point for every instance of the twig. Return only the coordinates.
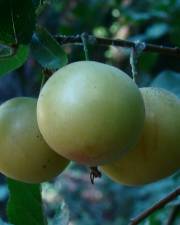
(62, 39)
(84, 38)
(173, 214)
(155, 207)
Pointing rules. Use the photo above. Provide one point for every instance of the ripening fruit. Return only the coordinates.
(90, 112)
(157, 154)
(24, 155)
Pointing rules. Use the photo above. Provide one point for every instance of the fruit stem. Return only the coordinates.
(94, 173)
(133, 63)
(84, 37)
(136, 50)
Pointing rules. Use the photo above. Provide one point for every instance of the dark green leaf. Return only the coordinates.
(153, 220)
(25, 205)
(175, 35)
(168, 80)
(15, 60)
(17, 21)
(47, 51)
(147, 61)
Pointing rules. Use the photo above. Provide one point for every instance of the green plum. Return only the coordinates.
(157, 153)
(90, 112)
(24, 155)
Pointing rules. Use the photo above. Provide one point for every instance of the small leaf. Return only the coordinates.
(152, 220)
(47, 51)
(25, 204)
(15, 60)
(17, 21)
(168, 80)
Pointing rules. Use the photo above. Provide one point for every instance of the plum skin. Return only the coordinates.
(157, 153)
(90, 112)
(24, 155)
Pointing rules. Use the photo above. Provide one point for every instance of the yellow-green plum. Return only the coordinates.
(90, 112)
(157, 153)
(24, 155)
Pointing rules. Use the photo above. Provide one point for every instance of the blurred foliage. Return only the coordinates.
(71, 199)
(17, 21)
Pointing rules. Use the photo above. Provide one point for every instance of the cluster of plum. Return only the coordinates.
(94, 114)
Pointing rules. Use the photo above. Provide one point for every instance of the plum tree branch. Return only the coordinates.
(76, 39)
(155, 207)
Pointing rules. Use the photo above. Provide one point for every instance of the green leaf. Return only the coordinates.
(25, 204)
(175, 35)
(152, 220)
(15, 60)
(17, 21)
(47, 51)
(147, 61)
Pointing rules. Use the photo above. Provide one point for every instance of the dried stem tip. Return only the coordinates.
(94, 173)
